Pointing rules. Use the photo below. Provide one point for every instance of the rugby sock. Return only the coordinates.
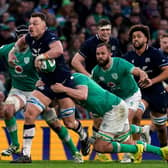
(81, 132)
(65, 137)
(151, 148)
(28, 135)
(12, 129)
(120, 148)
(135, 129)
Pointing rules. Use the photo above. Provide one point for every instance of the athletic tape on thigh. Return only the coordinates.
(142, 107)
(36, 102)
(67, 112)
(159, 120)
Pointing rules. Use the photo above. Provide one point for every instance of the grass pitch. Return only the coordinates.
(86, 164)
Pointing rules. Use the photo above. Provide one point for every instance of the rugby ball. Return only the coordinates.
(48, 65)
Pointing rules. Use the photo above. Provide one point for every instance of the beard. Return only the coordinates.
(103, 63)
(139, 46)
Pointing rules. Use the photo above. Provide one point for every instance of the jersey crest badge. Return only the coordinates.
(114, 76)
(26, 60)
(147, 60)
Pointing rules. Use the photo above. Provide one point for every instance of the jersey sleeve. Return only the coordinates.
(79, 80)
(159, 59)
(84, 50)
(126, 66)
(4, 50)
(51, 38)
(93, 73)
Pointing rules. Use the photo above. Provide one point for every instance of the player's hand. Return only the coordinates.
(39, 83)
(57, 87)
(37, 64)
(12, 59)
(38, 60)
(2, 97)
(146, 83)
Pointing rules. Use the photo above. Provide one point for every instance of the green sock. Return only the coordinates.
(12, 129)
(151, 148)
(135, 129)
(123, 148)
(64, 135)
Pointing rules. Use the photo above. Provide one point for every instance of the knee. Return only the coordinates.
(69, 124)
(99, 147)
(161, 128)
(29, 117)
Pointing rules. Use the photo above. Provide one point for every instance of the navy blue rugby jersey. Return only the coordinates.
(41, 46)
(150, 61)
(88, 50)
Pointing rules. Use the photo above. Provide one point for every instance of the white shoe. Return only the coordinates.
(145, 136)
(126, 158)
(78, 158)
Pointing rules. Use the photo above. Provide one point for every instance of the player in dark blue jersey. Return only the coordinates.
(164, 48)
(155, 64)
(87, 52)
(45, 45)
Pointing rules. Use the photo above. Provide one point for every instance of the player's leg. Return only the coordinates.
(50, 117)
(14, 102)
(95, 128)
(132, 103)
(159, 120)
(67, 110)
(35, 105)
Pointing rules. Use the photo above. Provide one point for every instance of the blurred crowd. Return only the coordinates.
(75, 20)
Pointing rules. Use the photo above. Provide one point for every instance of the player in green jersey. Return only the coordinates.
(24, 78)
(117, 76)
(114, 131)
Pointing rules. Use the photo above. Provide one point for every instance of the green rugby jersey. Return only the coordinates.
(118, 77)
(24, 75)
(99, 100)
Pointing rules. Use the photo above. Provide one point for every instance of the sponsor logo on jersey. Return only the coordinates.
(36, 52)
(18, 69)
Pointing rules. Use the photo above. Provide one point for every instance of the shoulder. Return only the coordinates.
(48, 35)
(114, 40)
(91, 40)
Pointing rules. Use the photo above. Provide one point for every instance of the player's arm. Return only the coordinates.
(138, 72)
(144, 80)
(162, 76)
(78, 64)
(79, 93)
(19, 45)
(56, 50)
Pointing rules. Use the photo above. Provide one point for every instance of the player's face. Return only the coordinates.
(103, 56)
(104, 32)
(36, 27)
(138, 40)
(164, 44)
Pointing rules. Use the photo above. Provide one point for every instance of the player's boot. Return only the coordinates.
(85, 146)
(22, 159)
(145, 136)
(11, 150)
(164, 151)
(126, 158)
(78, 158)
(102, 157)
(137, 157)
